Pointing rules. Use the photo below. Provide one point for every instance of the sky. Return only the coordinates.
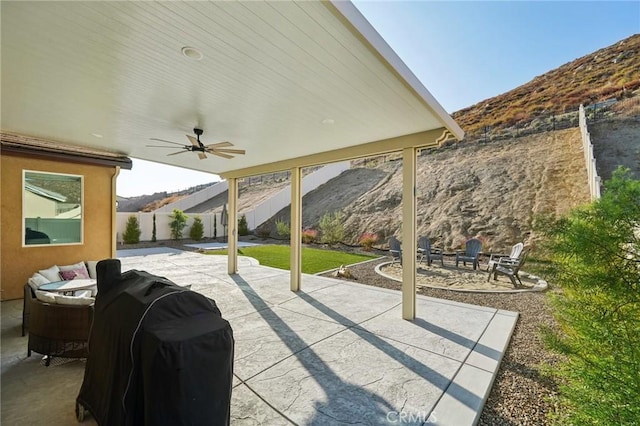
(463, 52)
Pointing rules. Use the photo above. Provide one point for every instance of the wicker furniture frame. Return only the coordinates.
(57, 330)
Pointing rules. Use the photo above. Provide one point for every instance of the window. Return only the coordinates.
(51, 208)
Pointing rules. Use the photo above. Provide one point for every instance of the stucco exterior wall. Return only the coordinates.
(18, 263)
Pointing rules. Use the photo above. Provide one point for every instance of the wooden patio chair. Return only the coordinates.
(425, 250)
(470, 254)
(516, 251)
(509, 269)
(395, 249)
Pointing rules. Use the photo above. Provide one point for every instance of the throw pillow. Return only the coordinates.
(91, 266)
(36, 281)
(45, 296)
(76, 267)
(73, 274)
(52, 274)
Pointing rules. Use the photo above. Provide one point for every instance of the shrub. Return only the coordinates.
(153, 232)
(332, 228)
(177, 224)
(309, 236)
(243, 228)
(132, 231)
(263, 231)
(283, 229)
(197, 229)
(596, 253)
(367, 240)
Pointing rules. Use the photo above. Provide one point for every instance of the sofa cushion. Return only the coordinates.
(52, 273)
(79, 269)
(45, 296)
(36, 281)
(91, 267)
(73, 300)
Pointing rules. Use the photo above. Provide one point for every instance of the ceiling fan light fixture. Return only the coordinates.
(192, 53)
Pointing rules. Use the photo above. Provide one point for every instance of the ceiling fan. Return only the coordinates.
(220, 149)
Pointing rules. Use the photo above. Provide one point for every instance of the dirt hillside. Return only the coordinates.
(492, 190)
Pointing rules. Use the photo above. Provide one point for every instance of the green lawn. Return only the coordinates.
(313, 260)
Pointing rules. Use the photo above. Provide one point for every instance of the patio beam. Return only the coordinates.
(232, 225)
(296, 226)
(426, 139)
(409, 244)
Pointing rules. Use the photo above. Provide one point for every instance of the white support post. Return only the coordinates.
(409, 241)
(232, 227)
(296, 226)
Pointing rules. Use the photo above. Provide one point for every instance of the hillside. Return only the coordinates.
(612, 72)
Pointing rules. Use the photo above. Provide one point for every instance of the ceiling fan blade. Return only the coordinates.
(193, 140)
(202, 155)
(231, 151)
(219, 154)
(219, 145)
(162, 146)
(162, 140)
(176, 153)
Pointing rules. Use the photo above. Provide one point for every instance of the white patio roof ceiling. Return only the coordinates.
(271, 78)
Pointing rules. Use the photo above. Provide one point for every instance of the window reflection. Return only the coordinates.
(52, 208)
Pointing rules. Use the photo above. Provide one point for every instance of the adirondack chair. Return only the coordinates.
(509, 269)
(516, 251)
(425, 250)
(470, 253)
(395, 249)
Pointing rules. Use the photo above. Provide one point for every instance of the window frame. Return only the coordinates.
(24, 212)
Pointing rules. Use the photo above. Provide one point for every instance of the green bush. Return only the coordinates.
(243, 228)
(197, 229)
(132, 231)
(177, 224)
(332, 228)
(153, 232)
(596, 254)
(283, 229)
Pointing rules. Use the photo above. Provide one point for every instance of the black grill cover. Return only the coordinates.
(159, 354)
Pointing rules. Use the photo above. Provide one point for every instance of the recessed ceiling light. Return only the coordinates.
(97, 135)
(192, 53)
(328, 121)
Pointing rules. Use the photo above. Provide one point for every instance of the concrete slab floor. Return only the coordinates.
(334, 353)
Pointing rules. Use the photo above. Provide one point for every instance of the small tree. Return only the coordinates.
(132, 231)
(215, 227)
(283, 229)
(243, 228)
(596, 253)
(197, 229)
(153, 232)
(177, 224)
(332, 228)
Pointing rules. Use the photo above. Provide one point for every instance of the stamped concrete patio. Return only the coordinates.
(334, 353)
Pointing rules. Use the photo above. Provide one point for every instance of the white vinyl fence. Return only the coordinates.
(268, 208)
(590, 161)
(196, 198)
(163, 232)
